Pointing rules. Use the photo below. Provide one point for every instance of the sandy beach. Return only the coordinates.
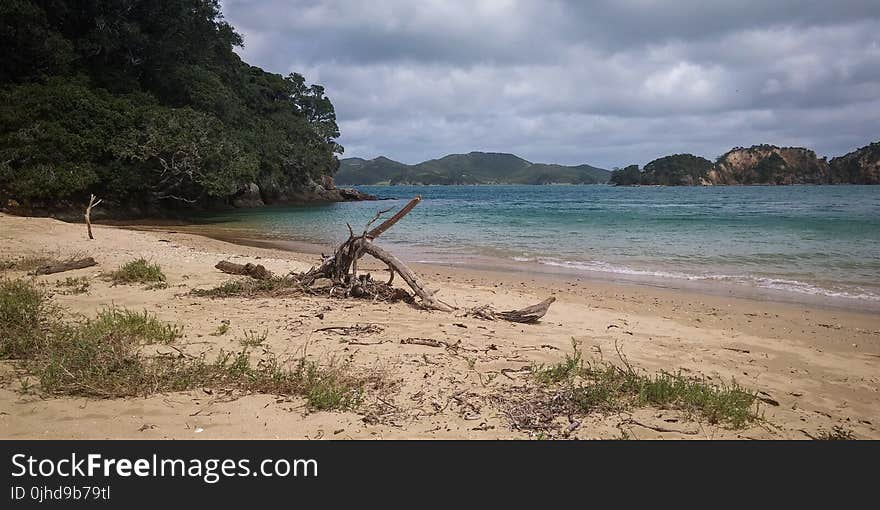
(814, 368)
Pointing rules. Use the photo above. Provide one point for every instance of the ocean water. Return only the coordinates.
(798, 240)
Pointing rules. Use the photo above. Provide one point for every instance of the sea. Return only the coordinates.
(790, 243)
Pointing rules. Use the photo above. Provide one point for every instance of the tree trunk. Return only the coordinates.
(427, 296)
(255, 271)
(65, 266)
(88, 214)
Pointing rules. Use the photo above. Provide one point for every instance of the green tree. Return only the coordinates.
(118, 97)
(627, 176)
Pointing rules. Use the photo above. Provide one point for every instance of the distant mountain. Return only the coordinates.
(471, 168)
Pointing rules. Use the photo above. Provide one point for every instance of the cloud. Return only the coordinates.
(608, 83)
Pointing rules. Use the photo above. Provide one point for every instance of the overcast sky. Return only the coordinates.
(608, 83)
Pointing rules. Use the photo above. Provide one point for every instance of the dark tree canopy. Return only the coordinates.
(628, 176)
(144, 102)
(677, 170)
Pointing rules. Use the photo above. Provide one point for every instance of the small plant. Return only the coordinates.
(605, 387)
(253, 338)
(72, 285)
(24, 315)
(139, 328)
(275, 286)
(837, 433)
(563, 371)
(225, 289)
(222, 329)
(138, 271)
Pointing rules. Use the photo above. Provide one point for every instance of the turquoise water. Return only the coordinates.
(808, 240)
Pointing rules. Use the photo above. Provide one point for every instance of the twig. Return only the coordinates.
(662, 429)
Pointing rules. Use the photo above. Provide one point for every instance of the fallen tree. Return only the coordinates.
(527, 314)
(337, 276)
(68, 265)
(341, 269)
(255, 271)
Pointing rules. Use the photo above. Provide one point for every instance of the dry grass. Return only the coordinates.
(71, 285)
(270, 287)
(104, 357)
(576, 386)
(139, 271)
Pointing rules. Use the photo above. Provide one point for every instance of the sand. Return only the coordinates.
(816, 367)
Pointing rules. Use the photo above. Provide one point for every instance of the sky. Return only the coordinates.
(606, 82)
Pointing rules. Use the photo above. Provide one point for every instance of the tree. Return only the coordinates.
(188, 156)
(627, 176)
(116, 97)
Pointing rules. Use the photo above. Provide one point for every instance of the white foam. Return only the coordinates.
(781, 284)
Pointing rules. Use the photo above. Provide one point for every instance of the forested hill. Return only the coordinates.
(758, 164)
(471, 168)
(144, 103)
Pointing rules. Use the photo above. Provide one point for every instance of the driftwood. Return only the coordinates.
(430, 342)
(376, 232)
(255, 271)
(88, 215)
(68, 265)
(341, 269)
(528, 314)
(427, 296)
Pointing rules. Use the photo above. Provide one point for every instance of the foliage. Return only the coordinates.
(138, 271)
(677, 170)
(861, 166)
(146, 104)
(628, 176)
(23, 315)
(105, 357)
(605, 387)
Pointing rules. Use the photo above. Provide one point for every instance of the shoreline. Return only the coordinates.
(817, 366)
(534, 269)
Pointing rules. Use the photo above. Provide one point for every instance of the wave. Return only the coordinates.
(781, 284)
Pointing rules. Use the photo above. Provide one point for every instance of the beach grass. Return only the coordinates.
(139, 271)
(104, 357)
(73, 285)
(25, 312)
(606, 387)
(275, 286)
(222, 329)
(254, 338)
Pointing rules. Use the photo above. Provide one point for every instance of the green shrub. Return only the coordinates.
(138, 271)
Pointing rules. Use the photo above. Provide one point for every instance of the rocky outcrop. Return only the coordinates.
(861, 166)
(271, 192)
(758, 164)
(248, 196)
(768, 164)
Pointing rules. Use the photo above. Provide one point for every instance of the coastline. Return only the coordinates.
(818, 364)
(531, 269)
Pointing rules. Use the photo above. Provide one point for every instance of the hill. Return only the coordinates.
(758, 164)
(147, 105)
(861, 166)
(471, 168)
